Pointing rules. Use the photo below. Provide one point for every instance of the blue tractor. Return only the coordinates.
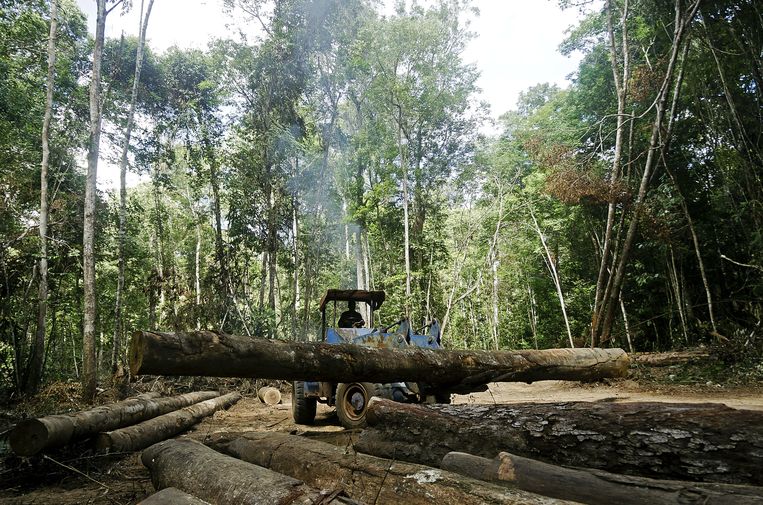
(351, 398)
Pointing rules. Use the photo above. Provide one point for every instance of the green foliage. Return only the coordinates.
(273, 169)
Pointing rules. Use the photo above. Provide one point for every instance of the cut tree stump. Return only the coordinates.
(203, 472)
(596, 487)
(269, 395)
(364, 478)
(33, 435)
(172, 496)
(217, 354)
(695, 442)
(141, 435)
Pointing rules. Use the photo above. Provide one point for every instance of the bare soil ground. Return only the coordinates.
(122, 479)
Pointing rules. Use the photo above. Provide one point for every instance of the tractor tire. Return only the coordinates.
(352, 403)
(302, 408)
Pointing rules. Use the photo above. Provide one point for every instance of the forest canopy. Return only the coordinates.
(342, 148)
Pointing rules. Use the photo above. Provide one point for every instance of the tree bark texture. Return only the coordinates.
(216, 354)
(34, 374)
(269, 395)
(220, 479)
(33, 435)
(364, 478)
(141, 435)
(668, 358)
(116, 353)
(88, 232)
(697, 442)
(595, 487)
(172, 496)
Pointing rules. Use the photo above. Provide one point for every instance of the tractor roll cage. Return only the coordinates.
(372, 298)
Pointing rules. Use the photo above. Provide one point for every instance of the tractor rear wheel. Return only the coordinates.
(352, 403)
(302, 408)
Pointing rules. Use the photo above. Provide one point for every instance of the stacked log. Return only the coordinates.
(33, 435)
(695, 442)
(595, 487)
(217, 354)
(214, 477)
(364, 478)
(140, 436)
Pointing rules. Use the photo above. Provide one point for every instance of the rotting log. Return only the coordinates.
(269, 395)
(364, 478)
(172, 496)
(33, 435)
(203, 472)
(141, 435)
(595, 487)
(218, 354)
(695, 442)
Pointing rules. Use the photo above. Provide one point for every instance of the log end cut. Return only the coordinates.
(137, 347)
(269, 396)
(33, 435)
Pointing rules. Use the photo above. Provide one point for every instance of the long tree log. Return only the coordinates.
(695, 442)
(141, 435)
(217, 354)
(203, 472)
(595, 487)
(657, 359)
(33, 435)
(172, 496)
(364, 478)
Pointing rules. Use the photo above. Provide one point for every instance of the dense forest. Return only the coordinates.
(342, 148)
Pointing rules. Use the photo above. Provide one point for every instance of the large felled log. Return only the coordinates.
(596, 487)
(33, 435)
(657, 359)
(217, 354)
(172, 496)
(203, 472)
(364, 478)
(695, 442)
(141, 435)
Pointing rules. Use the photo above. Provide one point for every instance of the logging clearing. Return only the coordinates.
(131, 481)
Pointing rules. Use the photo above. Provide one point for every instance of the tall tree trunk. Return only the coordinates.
(681, 22)
(554, 276)
(34, 375)
(621, 87)
(116, 353)
(88, 234)
(406, 222)
(295, 257)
